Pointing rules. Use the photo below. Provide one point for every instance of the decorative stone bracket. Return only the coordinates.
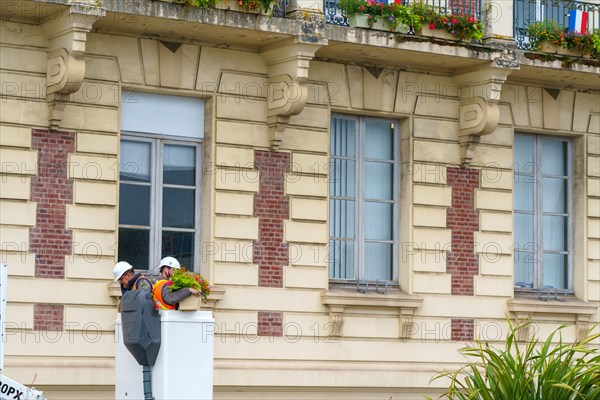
(287, 64)
(339, 301)
(66, 36)
(478, 111)
(528, 309)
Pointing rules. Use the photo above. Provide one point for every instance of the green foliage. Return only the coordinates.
(530, 370)
(185, 279)
(550, 31)
(200, 3)
(463, 26)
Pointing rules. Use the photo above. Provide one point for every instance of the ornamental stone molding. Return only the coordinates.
(287, 67)
(65, 67)
(478, 112)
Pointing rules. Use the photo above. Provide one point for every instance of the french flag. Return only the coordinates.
(578, 21)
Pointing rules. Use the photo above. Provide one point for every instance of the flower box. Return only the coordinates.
(548, 47)
(359, 21)
(236, 5)
(435, 33)
(191, 303)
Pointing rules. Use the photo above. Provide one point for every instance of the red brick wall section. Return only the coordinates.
(462, 262)
(52, 191)
(48, 317)
(462, 330)
(271, 207)
(270, 323)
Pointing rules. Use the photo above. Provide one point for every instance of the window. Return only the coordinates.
(363, 199)
(159, 196)
(542, 212)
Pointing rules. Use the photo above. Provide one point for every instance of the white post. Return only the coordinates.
(128, 373)
(3, 283)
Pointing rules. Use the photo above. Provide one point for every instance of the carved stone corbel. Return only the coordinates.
(407, 326)
(478, 112)
(287, 64)
(66, 46)
(522, 321)
(336, 320)
(582, 325)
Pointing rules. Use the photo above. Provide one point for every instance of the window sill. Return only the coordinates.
(526, 307)
(338, 300)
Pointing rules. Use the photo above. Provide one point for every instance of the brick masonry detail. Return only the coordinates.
(48, 317)
(462, 330)
(270, 323)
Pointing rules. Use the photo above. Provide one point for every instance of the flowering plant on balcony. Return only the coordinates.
(186, 279)
(264, 6)
(550, 31)
(460, 25)
(391, 14)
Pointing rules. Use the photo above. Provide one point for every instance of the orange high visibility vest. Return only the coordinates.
(159, 303)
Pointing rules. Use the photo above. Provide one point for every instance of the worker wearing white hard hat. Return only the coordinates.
(164, 299)
(128, 279)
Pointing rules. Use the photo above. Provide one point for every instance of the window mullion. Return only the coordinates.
(539, 242)
(359, 267)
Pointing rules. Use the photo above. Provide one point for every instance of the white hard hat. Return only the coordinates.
(120, 268)
(169, 262)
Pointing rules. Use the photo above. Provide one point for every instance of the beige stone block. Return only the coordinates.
(299, 277)
(593, 249)
(103, 144)
(19, 316)
(334, 76)
(14, 239)
(243, 85)
(306, 185)
(178, 69)
(234, 203)
(238, 179)
(432, 195)
(494, 244)
(65, 346)
(229, 251)
(103, 68)
(23, 162)
(44, 291)
(318, 93)
(428, 260)
(309, 255)
(98, 94)
(25, 112)
(432, 283)
(533, 99)
(21, 34)
(241, 108)
(17, 213)
(236, 227)
(584, 104)
(493, 286)
(15, 187)
(492, 178)
(380, 92)
(429, 216)
(558, 113)
(20, 86)
(90, 118)
(214, 60)
(506, 117)
(125, 49)
(496, 222)
(501, 136)
(235, 274)
(239, 323)
(272, 299)
(149, 49)
(425, 172)
(435, 129)
(313, 117)
(305, 140)
(593, 144)
(91, 318)
(438, 152)
(89, 266)
(242, 134)
(310, 164)
(593, 270)
(437, 106)
(15, 136)
(408, 88)
(593, 187)
(496, 265)
(593, 228)
(593, 291)
(594, 124)
(305, 232)
(19, 261)
(493, 200)
(93, 167)
(371, 327)
(24, 60)
(93, 245)
(98, 193)
(308, 209)
(355, 84)
(494, 157)
(593, 166)
(516, 96)
(593, 207)
(432, 239)
(235, 157)
(92, 218)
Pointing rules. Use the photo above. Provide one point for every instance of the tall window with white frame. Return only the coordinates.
(543, 216)
(363, 194)
(160, 173)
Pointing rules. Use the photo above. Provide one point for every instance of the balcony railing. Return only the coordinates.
(530, 11)
(333, 14)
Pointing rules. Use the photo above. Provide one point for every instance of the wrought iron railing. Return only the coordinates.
(530, 11)
(333, 14)
(279, 9)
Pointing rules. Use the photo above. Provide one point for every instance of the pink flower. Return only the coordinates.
(454, 21)
(361, 8)
(471, 19)
(432, 26)
(445, 20)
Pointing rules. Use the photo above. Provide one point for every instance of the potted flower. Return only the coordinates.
(355, 12)
(550, 37)
(452, 27)
(185, 279)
